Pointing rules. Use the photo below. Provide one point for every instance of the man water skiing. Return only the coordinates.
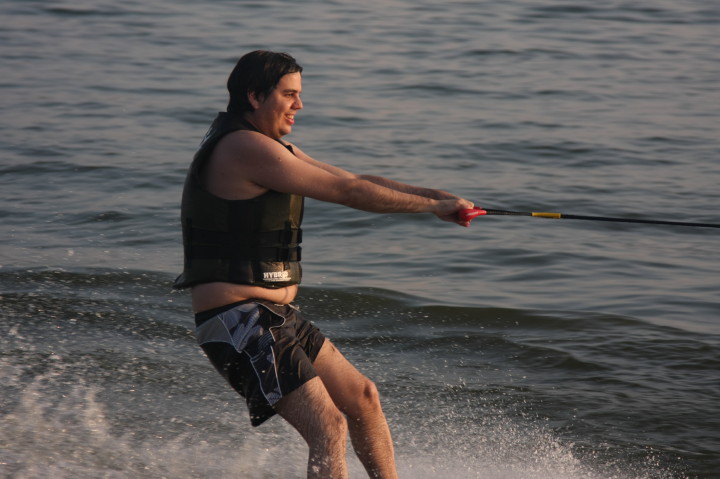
(241, 213)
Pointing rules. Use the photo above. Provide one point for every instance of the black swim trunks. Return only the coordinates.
(264, 350)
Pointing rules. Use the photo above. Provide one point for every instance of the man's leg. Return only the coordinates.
(311, 411)
(357, 397)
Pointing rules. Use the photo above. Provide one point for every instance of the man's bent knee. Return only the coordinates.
(334, 427)
(370, 392)
(366, 402)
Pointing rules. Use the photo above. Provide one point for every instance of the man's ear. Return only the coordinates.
(252, 98)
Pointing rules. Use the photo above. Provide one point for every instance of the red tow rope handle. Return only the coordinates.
(469, 214)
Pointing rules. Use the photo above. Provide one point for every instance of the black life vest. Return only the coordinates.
(254, 241)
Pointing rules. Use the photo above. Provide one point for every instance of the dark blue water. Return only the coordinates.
(517, 348)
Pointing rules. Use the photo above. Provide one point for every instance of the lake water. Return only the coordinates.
(516, 348)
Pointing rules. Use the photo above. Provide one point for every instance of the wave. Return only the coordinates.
(510, 392)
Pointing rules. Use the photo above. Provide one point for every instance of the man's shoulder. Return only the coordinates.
(251, 147)
(248, 141)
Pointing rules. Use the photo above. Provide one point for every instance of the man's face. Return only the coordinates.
(274, 115)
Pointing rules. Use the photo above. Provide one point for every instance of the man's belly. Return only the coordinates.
(214, 295)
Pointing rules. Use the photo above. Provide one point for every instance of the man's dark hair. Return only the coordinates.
(259, 72)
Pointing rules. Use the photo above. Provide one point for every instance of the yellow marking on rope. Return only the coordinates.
(548, 215)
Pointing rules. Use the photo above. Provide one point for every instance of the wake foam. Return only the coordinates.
(50, 428)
